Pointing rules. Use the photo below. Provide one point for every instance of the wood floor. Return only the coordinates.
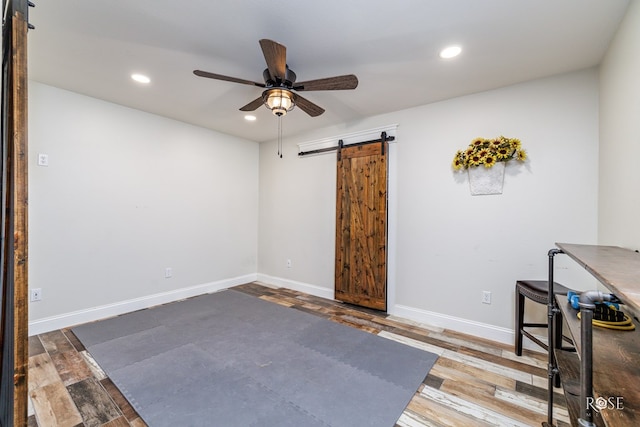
(475, 382)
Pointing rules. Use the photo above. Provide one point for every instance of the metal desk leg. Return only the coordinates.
(552, 309)
(586, 364)
(587, 305)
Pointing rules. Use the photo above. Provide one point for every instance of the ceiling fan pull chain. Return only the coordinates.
(280, 136)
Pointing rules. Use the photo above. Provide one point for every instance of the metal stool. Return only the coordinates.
(537, 291)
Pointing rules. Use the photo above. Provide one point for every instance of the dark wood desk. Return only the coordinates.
(616, 354)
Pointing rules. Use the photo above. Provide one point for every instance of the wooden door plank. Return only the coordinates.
(364, 204)
(362, 277)
(362, 151)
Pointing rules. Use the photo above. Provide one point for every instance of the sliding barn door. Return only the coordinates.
(361, 225)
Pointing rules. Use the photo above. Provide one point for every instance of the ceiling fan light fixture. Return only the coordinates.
(279, 101)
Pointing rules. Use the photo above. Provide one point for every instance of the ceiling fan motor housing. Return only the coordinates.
(289, 78)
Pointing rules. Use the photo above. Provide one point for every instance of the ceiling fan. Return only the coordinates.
(280, 83)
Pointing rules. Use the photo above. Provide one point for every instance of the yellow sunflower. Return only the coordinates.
(503, 152)
(475, 160)
(489, 161)
(521, 155)
(458, 161)
(515, 143)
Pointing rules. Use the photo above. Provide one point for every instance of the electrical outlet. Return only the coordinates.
(36, 294)
(289, 263)
(486, 297)
(168, 273)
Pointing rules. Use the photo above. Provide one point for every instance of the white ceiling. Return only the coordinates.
(92, 47)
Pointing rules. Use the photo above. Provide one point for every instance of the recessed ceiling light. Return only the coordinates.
(450, 52)
(140, 78)
(250, 118)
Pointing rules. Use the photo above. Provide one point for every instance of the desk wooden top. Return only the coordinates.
(618, 269)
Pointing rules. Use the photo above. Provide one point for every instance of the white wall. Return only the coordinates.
(450, 246)
(620, 136)
(127, 194)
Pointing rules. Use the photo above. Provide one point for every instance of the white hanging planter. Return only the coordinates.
(484, 180)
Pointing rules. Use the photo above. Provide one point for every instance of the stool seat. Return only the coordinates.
(537, 291)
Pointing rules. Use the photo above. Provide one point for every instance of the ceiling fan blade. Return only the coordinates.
(253, 105)
(275, 55)
(308, 107)
(209, 75)
(348, 81)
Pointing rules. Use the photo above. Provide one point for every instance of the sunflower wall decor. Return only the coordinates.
(492, 155)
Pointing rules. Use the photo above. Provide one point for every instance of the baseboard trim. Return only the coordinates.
(484, 330)
(466, 326)
(47, 324)
(307, 288)
(66, 320)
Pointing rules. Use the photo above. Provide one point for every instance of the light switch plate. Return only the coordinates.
(43, 159)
